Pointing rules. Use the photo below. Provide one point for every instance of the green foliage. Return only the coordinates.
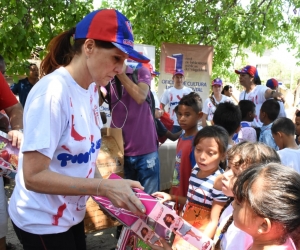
(26, 25)
(228, 25)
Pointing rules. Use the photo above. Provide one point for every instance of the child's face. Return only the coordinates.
(207, 155)
(245, 218)
(252, 115)
(297, 125)
(187, 117)
(233, 170)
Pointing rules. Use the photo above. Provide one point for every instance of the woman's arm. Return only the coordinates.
(39, 178)
(273, 94)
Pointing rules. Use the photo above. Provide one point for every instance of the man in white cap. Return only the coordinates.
(173, 95)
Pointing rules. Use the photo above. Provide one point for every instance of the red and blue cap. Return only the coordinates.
(217, 81)
(251, 70)
(179, 72)
(111, 26)
(272, 83)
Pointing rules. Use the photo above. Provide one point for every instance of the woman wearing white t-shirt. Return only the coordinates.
(211, 103)
(254, 91)
(57, 162)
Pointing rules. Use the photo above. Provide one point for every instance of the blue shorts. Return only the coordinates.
(145, 169)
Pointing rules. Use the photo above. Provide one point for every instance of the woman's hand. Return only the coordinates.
(120, 193)
(163, 196)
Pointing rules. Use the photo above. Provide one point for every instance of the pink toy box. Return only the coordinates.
(8, 157)
(158, 212)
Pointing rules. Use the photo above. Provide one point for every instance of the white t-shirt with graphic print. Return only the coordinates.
(172, 97)
(257, 96)
(209, 108)
(61, 121)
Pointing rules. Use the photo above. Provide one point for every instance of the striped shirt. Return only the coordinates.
(201, 190)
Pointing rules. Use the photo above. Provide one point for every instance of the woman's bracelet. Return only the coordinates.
(99, 186)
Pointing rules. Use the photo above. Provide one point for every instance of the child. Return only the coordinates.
(247, 133)
(268, 114)
(178, 226)
(188, 114)
(297, 125)
(228, 116)
(240, 157)
(267, 205)
(283, 131)
(212, 102)
(210, 148)
(274, 85)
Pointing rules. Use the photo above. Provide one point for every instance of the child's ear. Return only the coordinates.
(238, 129)
(265, 227)
(200, 114)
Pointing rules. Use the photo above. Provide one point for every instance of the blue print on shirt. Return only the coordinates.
(80, 158)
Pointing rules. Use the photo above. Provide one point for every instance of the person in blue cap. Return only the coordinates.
(57, 163)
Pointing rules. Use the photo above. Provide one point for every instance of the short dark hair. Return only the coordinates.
(1, 59)
(284, 125)
(216, 132)
(228, 116)
(271, 107)
(298, 114)
(279, 194)
(192, 100)
(246, 106)
(226, 88)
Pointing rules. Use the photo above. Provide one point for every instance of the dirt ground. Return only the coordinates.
(103, 239)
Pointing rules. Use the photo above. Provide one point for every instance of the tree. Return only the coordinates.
(31, 24)
(228, 25)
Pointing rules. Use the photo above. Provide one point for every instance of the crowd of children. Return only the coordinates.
(243, 177)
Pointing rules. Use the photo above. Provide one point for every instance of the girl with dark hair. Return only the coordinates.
(227, 90)
(267, 205)
(240, 157)
(57, 162)
(210, 149)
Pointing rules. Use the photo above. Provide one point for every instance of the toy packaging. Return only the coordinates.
(161, 214)
(8, 157)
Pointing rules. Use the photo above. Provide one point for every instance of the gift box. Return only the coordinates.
(8, 157)
(110, 158)
(158, 212)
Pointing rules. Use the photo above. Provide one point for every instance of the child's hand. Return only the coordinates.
(163, 196)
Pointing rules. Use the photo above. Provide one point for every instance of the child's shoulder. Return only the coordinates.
(218, 182)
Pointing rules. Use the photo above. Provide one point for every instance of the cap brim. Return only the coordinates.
(237, 71)
(134, 55)
(178, 74)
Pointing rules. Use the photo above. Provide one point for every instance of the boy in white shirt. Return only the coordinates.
(173, 95)
(283, 130)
